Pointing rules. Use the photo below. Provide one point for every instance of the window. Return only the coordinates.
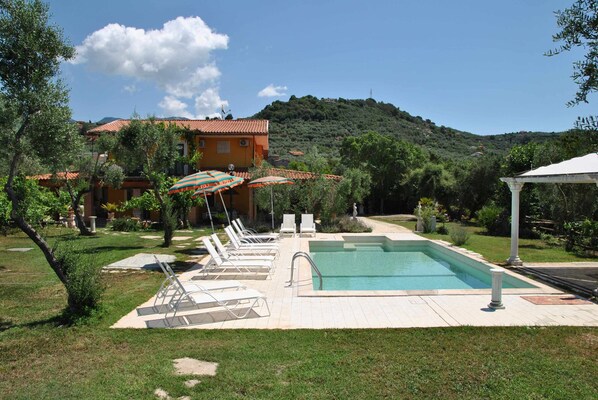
(223, 147)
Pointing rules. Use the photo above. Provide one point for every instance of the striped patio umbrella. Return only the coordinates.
(201, 180)
(270, 181)
(236, 181)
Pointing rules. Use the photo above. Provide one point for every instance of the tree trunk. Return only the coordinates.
(165, 212)
(33, 235)
(75, 199)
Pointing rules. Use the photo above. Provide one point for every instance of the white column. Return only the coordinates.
(496, 301)
(515, 189)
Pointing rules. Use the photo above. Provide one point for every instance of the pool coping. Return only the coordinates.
(305, 283)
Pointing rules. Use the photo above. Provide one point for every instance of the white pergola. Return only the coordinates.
(576, 170)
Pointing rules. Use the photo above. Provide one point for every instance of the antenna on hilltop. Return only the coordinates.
(371, 96)
(224, 113)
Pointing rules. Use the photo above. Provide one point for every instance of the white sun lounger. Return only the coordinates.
(170, 288)
(235, 255)
(237, 303)
(288, 224)
(246, 235)
(242, 266)
(307, 224)
(236, 241)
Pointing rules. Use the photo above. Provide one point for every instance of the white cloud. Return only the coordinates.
(130, 88)
(273, 91)
(174, 107)
(177, 58)
(207, 102)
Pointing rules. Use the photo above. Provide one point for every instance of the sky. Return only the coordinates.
(475, 66)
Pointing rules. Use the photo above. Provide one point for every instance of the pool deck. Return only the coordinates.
(290, 310)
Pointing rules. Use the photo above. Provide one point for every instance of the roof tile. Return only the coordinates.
(232, 127)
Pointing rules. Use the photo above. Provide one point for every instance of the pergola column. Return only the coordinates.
(515, 190)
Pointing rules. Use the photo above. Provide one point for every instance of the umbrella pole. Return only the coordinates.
(224, 205)
(209, 213)
(272, 205)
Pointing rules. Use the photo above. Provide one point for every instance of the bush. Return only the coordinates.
(84, 286)
(582, 235)
(459, 236)
(492, 218)
(125, 225)
(345, 224)
(442, 230)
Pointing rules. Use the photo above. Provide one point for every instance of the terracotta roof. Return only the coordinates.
(60, 175)
(296, 153)
(289, 173)
(231, 127)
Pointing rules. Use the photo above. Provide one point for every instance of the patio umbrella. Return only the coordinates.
(270, 181)
(219, 189)
(201, 180)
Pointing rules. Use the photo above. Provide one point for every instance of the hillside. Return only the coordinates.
(304, 122)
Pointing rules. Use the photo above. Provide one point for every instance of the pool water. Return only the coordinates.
(399, 266)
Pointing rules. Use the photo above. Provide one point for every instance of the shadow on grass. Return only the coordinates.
(110, 248)
(192, 252)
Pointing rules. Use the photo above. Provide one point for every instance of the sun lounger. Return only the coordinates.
(241, 266)
(238, 303)
(236, 255)
(288, 224)
(238, 243)
(262, 237)
(169, 287)
(307, 224)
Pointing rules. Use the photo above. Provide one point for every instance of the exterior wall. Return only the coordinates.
(240, 156)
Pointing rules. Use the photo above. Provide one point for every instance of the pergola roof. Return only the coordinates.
(576, 170)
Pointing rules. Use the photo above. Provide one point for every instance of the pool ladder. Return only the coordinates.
(311, 262)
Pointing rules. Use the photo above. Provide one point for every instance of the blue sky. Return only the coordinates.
(472, 65)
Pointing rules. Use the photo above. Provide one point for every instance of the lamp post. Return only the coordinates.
(231, 171)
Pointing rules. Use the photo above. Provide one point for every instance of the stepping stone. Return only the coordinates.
(141, 261)
(191, 366)
(192, 383)
(178, 246)
(181, 238)
(20, 249)
(198, 239)
(151, 237)
(183, 231)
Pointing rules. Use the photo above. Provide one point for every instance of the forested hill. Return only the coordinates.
(304, 122)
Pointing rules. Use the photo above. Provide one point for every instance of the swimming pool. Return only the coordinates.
(376, 263)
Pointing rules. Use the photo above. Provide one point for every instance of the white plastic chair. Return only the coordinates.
(307, 224)
(288, 224)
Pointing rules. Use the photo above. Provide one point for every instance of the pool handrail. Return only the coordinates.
(311, 262)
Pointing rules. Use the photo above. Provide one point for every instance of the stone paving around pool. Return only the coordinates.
(289, 310)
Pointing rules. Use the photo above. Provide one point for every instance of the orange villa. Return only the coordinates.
(232, 146)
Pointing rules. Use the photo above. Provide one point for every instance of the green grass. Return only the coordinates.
(497, 248)
(41, 359)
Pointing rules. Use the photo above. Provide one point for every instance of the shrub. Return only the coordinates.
(582, 235)
(84, 286)
(459, 236)
(345, 224)
(442, 230)
(125, 225)
(492, 218)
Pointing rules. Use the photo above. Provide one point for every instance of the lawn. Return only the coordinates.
(497, 248)
(39, 358)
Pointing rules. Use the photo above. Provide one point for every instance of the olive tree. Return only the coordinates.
(151, 147)
(34, 113)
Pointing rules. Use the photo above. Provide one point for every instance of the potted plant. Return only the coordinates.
(111, 209)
